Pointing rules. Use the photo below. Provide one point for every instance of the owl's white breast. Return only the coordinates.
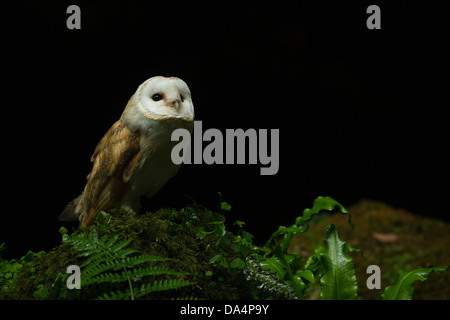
(156, 166)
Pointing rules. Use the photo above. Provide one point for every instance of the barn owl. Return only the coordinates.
(133, 158)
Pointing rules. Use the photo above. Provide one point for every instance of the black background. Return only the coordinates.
(361, 113)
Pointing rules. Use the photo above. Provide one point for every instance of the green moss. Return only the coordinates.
(41, 272)
(197, 244)
(185, 236)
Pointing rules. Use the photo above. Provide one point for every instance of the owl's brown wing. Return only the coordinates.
(115, 158)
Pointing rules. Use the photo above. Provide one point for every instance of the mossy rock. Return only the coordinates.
(391, 238)
(188, 237)
(211, 259)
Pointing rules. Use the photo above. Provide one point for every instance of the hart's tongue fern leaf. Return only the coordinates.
(109, 261)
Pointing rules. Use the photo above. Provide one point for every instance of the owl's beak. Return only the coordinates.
(176, 104)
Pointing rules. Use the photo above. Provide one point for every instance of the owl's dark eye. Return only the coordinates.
(156, 97)
(182, 98)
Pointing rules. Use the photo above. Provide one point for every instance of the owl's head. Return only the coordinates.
(161, 98)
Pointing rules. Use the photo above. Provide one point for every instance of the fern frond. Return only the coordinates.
(95, 269)
(96, 259)
(135, 260)
(95, 263)
(115, 295)
(161, 285)
(125, 252)
(116, 248)
(105, 242)
(91, 245)
(135, 275)
(186, 298)
(105, 277)
(146, 289)
(105, 256)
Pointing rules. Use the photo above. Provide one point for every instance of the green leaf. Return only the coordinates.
(314, 262)
(211, 216)
(298, 283)
(145, 289)
(237, 264)
(294, 261)
(351, 249)
(202, 233)
(339, 279)
(247, 235)
(220, 230)
(104, 214)
(223, 242)
(289, 231)
(93, 236)
(240, 249)
(225, 206)
(219, 260)
(30, 256)
(239, 223)
(320, 204)
(161, 285)
(305, 274)
(41, 293)
(126, 252)
(404, 287)
(274, 265)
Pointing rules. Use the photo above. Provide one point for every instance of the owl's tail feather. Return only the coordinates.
(88, 217)
(69, 213)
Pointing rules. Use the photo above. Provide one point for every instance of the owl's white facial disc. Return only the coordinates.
(161, 98)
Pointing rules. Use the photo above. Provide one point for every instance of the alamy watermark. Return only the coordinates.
(374, 20)
(73, 281)
(74, 20)
(373, 281)
(221, 149)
